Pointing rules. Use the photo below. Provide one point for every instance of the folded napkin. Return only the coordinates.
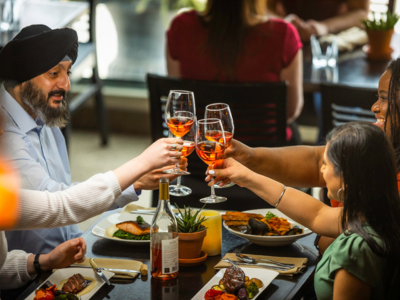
(132, 207)
(111, 263)
(299, 263)
(348, 39)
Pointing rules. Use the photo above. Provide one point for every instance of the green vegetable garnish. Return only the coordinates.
(252, 289)
(140, 220)
(129, 236)
(269, 215)
(66, 297)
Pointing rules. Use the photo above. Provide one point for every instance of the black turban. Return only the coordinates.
(35, 50)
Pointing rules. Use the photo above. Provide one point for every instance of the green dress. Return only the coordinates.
(352, 253)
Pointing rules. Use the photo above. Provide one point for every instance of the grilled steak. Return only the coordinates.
(75, 284)
(233, 280)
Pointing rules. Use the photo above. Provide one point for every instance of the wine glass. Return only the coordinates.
(189, 144)
(211, 151)
(180, 112)
(223, 112)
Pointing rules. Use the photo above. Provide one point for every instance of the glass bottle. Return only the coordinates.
(164, 260)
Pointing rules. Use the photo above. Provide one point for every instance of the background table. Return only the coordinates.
(192, 279)
(352, 69)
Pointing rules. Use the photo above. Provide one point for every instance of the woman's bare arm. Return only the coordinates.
(293, 75)
(295, 166)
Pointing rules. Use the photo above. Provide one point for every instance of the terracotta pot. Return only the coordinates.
(190, 244)
(379, 44)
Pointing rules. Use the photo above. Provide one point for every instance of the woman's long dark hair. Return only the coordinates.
(227, 22)
(364, 159)
(393, 110)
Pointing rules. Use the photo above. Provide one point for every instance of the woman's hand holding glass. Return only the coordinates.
(180, 112)
(163, 152)
(189, 144)
(221, 111)
(230, 170)
(211, 151)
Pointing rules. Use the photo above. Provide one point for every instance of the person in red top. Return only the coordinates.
(232, 40)
(320, 17)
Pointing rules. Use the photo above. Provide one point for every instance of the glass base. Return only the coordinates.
(225, 186)
(176, 171)
(213, 199)
(179, 191)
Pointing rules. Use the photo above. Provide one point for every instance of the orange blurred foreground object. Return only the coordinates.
(9, 196)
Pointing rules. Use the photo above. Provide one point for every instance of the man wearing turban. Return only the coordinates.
(35, 68)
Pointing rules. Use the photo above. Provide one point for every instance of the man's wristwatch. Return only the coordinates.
(36, 265)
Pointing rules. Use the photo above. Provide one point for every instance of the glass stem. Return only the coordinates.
(178, 183)
(177, 167)
(212, 186)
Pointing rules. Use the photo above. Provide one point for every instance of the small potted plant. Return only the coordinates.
(380, 31)
(191, 232)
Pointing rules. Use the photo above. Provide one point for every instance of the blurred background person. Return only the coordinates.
(320, 17)
(233, 40)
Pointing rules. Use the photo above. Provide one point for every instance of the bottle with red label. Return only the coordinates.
(164, 259)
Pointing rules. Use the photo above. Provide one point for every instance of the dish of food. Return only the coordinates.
(233, 283)
(70, 282)
(252, 225)
(124, 228)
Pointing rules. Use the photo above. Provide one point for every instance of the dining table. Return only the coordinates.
(191, 279)
(353, 68)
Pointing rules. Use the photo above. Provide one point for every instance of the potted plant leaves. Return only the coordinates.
(380, 31)
(191, 232)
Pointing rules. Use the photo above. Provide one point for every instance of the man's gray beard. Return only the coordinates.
(34, 99)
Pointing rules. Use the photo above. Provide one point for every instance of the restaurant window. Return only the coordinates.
(131, 36)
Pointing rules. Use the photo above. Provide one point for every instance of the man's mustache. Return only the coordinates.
(57, 92)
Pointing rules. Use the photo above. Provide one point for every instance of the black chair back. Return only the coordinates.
(342, 104)
(259, 114)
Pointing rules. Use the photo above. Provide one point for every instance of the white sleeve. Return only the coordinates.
(127, 196)
(42, 209)
(13, 273)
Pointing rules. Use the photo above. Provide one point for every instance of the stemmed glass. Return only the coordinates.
(211, 151)
(189, 144)
(180, 112)
(223, 112)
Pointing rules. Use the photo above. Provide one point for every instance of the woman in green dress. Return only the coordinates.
(359, 169)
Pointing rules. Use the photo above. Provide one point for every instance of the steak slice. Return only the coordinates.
(75, 284)
(233, 280)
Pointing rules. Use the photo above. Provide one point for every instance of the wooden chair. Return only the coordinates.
(259, 113)
(342, 104)
(87, 54)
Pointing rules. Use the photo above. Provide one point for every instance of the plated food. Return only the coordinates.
(265, 227)
(235, 281)
(257, 224)
(75, 286)
(235, 285)
(133, 230)
(69, 284)
(125, 233)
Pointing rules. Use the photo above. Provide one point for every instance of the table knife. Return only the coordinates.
(106, 269)
(98, 271)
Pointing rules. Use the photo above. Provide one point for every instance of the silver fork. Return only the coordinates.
(273, 267)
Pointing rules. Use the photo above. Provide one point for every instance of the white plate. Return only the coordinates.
(266, 276)
(61, 274)
(271, 241)
(106, 227)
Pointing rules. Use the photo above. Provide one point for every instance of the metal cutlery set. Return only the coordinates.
(262, 263)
